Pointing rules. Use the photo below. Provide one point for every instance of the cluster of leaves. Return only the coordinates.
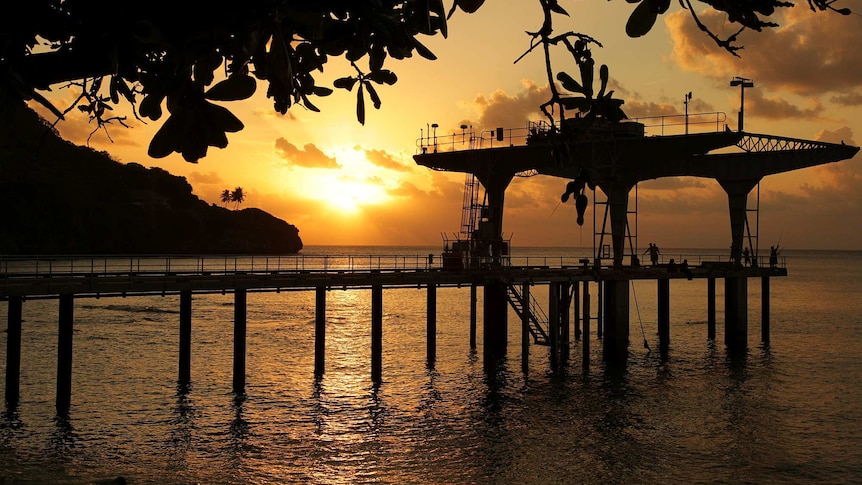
(237, 196)
(749, 14)
(171, 54)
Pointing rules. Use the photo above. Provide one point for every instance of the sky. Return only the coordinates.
(343, 183)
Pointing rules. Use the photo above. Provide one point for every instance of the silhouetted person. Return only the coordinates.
(671, 266)
(773, 256)
(653, 253)
(747, 255)
(684, 268)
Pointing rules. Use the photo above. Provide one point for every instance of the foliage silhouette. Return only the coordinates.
(237, 197)
(185, 56)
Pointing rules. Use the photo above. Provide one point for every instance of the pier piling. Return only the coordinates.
(431, 330)
(473, 299)
(764, 299)
(320, 331)
(64, 355)
(376, 333)
(586, 333)
(13, 352)
(239, 339)
(525, 327)
(185, 357)
(736, 313)
(663, 316)
(710, 308)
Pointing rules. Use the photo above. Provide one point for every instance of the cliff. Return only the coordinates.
(58, 198)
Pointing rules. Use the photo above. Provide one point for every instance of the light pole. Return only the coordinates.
(742, 83)
(687, 99)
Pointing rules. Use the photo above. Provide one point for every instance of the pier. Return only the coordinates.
(566, 280)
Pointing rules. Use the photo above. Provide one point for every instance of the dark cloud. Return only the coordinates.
(852, 98)
(778, 108)
(809, 54)
(308, 157)
(385, 160)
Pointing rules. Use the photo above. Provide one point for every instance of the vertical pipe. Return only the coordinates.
(431, 330)
(586, 334)
(525, 327)
(764, 298)
(185, 363)
(239, 338)
(376, 333)
(13, 352)
(64, 355)
(554, 323)
(473, 299)
(320, 331)
(663, 315)
(710, 308)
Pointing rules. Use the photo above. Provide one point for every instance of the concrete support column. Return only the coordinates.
(185, 358)
(554, 324)
(64, 355)
(13, 352)
(764, 299)
(618, 200)
(736, 312)
(737, 196)
(239, 339)
(616, 337)
(319, 331)
(431, 330)
(710, 308)
(600, 317)
(565, 322)
(663, 315)
(495, 326)
(525, 327)
(473, 300)
(377, 334)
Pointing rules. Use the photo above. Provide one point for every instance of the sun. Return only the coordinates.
(348, 195)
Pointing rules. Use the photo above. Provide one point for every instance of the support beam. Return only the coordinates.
(185, 358)
(764, 299)
(473, 300)
(431, 330)
(736, 313)
(554, 325)
(319, 331)
(565, 322)
(710, 308)
(376, 334)
(586, 334)
(239, 339)
(13, 352)
(616, 335)
(663, 315)
(495, 326)
(525, 327)
(737, 196)
(64, 355)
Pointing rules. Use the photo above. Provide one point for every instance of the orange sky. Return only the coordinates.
(344, 183)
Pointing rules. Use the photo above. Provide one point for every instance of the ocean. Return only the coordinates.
(789, 412)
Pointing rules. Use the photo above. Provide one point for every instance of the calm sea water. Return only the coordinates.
(789, 413)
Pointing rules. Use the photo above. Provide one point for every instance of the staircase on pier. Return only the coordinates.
(538, 320)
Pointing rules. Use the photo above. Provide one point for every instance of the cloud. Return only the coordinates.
(808, 54)
(778, 108)
(500, 109)
(672, 183)
(852, 98)
(385, 160)
(406, 189)
(210, 178)
(309, 156)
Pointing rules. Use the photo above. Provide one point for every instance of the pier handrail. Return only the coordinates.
(663, 125)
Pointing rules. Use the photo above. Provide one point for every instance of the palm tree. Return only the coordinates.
(237, 197)
(225, 197)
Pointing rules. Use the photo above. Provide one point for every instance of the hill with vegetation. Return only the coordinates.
(59, 198)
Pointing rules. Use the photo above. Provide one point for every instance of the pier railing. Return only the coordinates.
(467, 139)
(12, 267)
(213, 265)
